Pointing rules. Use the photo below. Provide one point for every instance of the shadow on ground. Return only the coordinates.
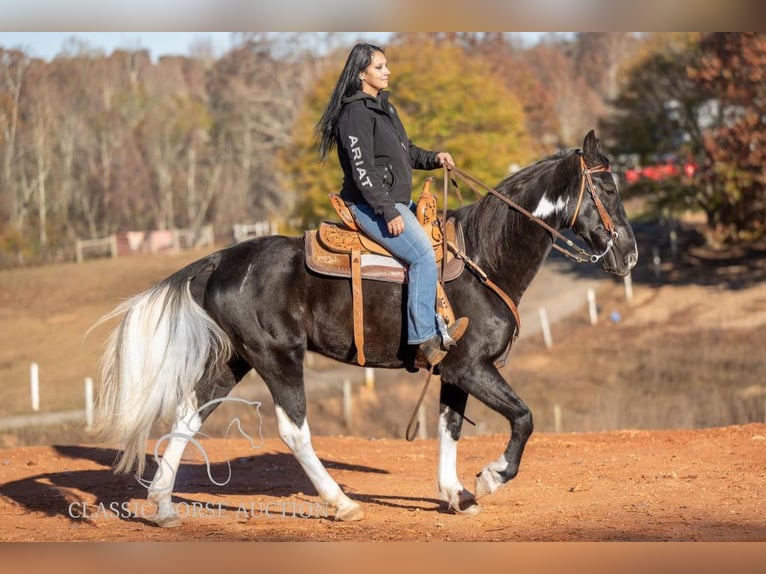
(270, 473)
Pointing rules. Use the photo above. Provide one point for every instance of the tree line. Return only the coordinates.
(94, 143)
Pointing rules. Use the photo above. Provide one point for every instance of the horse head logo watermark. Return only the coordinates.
(163, 466)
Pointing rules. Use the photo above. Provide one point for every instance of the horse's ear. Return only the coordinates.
(591, 145)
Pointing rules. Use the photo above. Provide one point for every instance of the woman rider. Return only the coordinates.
(377, 159)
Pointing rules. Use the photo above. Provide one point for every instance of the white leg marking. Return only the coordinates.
(449, 483)
(186, 425)
(489, 480)
(451, 490)
(298, 440)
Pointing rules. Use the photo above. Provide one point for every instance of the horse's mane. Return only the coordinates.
(490, 222)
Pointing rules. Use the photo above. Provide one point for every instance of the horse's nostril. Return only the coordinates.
(631, 259)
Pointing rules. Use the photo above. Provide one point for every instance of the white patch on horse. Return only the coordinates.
(546, 207)
(186, 425)
(298, 440)
(449, 483)
(489, 479)
(451, 490)
(246, 278)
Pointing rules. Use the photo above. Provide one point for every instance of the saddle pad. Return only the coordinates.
(374, 267)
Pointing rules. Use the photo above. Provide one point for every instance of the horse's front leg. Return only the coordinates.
(451, 491)
(487, 385)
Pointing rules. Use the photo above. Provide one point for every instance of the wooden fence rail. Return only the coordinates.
(129, 242)
(83, 245)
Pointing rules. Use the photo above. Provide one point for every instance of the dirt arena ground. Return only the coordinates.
(695, 485)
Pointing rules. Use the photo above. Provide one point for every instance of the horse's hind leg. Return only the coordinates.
(189, 419)
(186, 425)
(283, 374)
(297, 437)
(451, 491)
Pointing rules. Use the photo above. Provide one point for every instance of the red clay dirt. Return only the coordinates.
(680, 485)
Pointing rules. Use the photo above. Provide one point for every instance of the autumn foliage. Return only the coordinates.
(448, 99)
(731, 71)
(91, 144)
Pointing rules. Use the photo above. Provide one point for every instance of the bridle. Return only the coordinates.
(586, 181)
(575, 252)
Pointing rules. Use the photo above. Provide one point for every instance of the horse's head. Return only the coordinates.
(598, 215)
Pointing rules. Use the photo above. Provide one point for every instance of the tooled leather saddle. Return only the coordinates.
(343, 250)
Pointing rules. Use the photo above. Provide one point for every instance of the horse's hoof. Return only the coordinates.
(167, 521)
(465, 504)
(349, 513)
(485, 484)
(460, 501)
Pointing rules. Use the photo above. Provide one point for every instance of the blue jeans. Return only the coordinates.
(414, 248)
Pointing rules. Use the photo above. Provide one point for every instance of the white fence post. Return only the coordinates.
(80, 245)
(347, 400)
(89, 411)
(592, 310)
(546, 327)
(369, 377)
(657, 262)
(34, 386)
(422, 426)
(209, 236)
(557, 418)
(673, 243)
(629, 287)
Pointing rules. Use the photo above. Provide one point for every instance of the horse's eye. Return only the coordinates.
(611, 187)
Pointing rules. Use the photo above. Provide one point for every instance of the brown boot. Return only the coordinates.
(432, 351)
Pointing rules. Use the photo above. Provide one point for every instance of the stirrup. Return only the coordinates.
(447, 341)
(452, 334)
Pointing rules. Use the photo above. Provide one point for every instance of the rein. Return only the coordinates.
(575, 252)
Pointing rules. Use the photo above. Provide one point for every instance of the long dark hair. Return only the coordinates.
(348, 84)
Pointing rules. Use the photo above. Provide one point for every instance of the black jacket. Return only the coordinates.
(376, 155)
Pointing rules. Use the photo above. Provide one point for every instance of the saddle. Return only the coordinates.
(343, 250)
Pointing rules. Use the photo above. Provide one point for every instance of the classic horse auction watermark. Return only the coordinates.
(209, 510)
(243, 510)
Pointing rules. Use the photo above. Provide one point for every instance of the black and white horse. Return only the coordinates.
(191, 338)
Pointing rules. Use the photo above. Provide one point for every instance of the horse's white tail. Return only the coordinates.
(153, 359)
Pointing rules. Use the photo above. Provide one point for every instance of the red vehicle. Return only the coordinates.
(669, 167)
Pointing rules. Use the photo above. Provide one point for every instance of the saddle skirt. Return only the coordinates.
(328, 249)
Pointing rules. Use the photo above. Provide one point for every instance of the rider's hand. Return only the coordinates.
(396, 226)
(445, 159)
